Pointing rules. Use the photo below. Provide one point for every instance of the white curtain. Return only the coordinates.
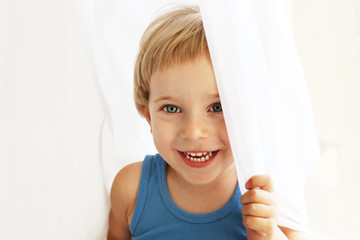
(266, 104)
(57, 150)
(52, 113)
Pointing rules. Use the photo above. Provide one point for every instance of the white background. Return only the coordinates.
(53, 57)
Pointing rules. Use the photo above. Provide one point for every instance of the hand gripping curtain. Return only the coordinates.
(264, 97)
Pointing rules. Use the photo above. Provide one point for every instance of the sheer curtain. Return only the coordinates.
(52, 113)
(265, 100)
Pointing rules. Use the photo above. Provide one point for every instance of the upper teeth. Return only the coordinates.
(197, 154)
(198, 157)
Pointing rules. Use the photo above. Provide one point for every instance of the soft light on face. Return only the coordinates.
(187, 123)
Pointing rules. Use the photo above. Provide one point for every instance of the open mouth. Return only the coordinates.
(198, 159)
(198, 156)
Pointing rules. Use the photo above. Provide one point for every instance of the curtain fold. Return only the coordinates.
(265, 100)
(51, 179)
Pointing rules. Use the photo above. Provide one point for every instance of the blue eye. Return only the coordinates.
(171, 109)
(216, 107)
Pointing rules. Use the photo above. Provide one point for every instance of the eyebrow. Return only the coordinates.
(163, 98)
(215, 95)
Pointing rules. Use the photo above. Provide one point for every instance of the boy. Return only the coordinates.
(189, 190)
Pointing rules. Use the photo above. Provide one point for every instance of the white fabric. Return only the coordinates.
(51, 117)
(264, 97)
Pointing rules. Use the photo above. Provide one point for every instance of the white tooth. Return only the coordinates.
(207, 157)
(210, 154)
(199, 154)
(191, 158)
(193, 154)
(187, 156)
(202, 159)
(204, 153)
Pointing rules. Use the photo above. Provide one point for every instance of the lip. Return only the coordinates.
(198, 164)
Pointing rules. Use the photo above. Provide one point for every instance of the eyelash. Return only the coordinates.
(165, 108)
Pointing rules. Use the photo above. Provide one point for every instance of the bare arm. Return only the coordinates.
(123, 200)
(295, 235)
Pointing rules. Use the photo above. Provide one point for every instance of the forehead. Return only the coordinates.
(190, 77)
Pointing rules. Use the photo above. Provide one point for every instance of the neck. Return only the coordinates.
(202, 198)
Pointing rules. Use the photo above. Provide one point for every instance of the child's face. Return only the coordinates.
(185, 117)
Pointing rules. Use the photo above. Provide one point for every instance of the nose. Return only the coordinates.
(195, 128)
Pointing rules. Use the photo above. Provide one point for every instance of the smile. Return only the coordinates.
(198, 156)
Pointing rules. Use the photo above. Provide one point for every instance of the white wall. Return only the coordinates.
(326, 34)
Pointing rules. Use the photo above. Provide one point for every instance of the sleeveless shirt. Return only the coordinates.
(156, 216)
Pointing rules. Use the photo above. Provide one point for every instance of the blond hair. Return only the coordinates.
(174, 37)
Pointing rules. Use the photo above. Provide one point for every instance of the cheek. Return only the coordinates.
(222, 131)
(163, 133)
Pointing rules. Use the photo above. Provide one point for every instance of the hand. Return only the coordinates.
(260, 210)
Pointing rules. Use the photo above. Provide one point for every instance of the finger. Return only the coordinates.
(258, 196)
(263, 182)
(261, 225)
(259, 210)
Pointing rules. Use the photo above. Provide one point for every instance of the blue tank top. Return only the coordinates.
(156, 216)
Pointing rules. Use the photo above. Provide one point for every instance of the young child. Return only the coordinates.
(189, 190)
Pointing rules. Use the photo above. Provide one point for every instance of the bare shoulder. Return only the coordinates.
(125, 188)
(123, 200)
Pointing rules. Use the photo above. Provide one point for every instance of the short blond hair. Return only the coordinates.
(174, 37)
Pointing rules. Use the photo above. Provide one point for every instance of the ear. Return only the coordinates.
(146, 113)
